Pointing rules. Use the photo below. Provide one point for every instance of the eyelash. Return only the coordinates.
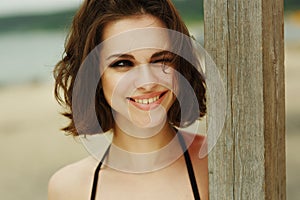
(126, 63)
(163, 60)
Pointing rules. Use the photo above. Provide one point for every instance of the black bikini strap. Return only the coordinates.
(96, 175)
(189, 167)
(187, 160)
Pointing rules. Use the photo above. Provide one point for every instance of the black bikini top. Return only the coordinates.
(187, 161)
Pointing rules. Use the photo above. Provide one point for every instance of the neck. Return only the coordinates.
(141, 144)
(140, 155)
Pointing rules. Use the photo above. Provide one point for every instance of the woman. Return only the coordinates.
(140, 99)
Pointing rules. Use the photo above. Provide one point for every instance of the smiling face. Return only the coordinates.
(138, 76)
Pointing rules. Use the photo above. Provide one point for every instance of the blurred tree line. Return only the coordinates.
(190, 10)
(291, 5)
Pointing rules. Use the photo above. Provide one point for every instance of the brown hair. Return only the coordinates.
(87, 26)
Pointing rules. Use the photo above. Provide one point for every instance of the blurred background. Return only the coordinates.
(32, 148)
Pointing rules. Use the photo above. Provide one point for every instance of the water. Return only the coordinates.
(29, 56)
(292, 31)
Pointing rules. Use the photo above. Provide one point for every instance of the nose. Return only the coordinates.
(146, 79)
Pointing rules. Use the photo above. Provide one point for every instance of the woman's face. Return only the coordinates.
(138, 76)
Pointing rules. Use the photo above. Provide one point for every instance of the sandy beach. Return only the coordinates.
(31, 145)
(32, 148)
(293, 119)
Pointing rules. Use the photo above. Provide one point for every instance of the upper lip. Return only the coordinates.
(148, 96)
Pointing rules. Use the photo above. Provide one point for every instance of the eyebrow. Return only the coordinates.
(161, 53)
(120, 56)
(128, 56)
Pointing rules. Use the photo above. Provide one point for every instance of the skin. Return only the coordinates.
(75, 181)
(131, 77)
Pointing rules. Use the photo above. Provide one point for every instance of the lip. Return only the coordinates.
(150, 106)
(148, 96)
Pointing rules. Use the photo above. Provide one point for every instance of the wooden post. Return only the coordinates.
(245, 38)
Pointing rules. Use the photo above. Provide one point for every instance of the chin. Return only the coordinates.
(149, 119)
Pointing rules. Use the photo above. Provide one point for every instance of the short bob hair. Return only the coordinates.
(85, 34)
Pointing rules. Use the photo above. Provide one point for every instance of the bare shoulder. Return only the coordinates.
(197, 147)
(198, 153)
(197, 144)
(72, 181)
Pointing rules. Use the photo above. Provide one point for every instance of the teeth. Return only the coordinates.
(146, 101)
(150, 100)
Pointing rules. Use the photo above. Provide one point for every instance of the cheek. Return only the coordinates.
(115, 87)
(169, 80)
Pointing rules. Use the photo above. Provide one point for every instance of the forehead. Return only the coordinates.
(130, 23)
(134, 33)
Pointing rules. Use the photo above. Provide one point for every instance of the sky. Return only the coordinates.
(16, 7)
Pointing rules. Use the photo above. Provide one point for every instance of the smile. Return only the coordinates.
(146, 101)
(149, 101)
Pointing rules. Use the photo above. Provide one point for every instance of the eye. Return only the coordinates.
(162, 61)
(122, 63)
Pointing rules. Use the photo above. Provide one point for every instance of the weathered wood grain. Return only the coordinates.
(245, 38)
